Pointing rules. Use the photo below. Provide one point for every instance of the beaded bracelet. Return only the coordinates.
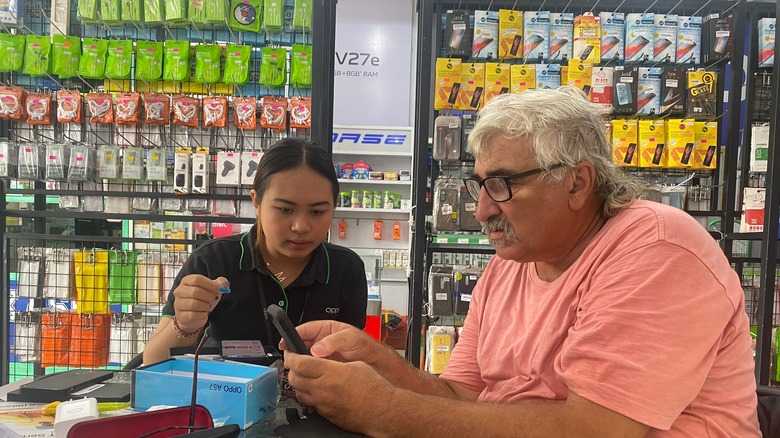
(181, 334)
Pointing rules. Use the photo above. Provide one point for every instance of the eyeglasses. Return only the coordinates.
(499, 188)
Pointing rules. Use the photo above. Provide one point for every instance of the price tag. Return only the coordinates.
(484, 241)
(463, 241)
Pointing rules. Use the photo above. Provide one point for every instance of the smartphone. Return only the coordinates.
(285, 327)
(608, 44)
(720, 44)
(476, 97)
(660, 45)
(683, 49)
(556, 45)
(586, 52)
(516, 44)
(504, 90)
(454, 93)
(709, 156)
(634, 47)
(686, 156)
(531, 43)
(659, 153)
(630, 153)
(766, 53)
(457, 36)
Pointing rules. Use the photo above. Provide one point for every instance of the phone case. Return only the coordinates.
(635, 46)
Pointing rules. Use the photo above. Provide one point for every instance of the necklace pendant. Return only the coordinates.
(280, 276)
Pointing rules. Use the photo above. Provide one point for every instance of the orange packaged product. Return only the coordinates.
(215, 111)
(11, 99)
(158, 109)
(101, 108)
(245, 112)
(38, 108)
(300, 112)
(89, 340)
(185, 111)
(126, 108)
(69, 107)
(55, 338)
(274, 113)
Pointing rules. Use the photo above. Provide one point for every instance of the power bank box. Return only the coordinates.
(485, 43)
(238, 393)
(719, 32)
(640, 30)
(648, 99)
(688, 40)
(472, 86)
(497, 80)
(536, 35)
(624, 142)
(674, 90)
(651, 143)
(613, 32)
(561, 36)
(458, 33)
(447, 83)
(766, 42)
(625, 89)
(580, 75)
(680, 141)
(587, 38)
(705, 138)
(665, 38)
(523, 77)
(510, 34)
(549, 76)
(601, 86)
(701, 89)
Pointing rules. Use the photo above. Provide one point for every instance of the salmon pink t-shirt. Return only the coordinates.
(649, 322)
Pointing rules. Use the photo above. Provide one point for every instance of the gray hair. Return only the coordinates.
(563, 127)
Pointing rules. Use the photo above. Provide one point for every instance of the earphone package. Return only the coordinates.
(228, 168)
(446, 138)
(8, 159)
(31, 162)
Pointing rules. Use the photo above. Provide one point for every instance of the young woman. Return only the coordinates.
(283, 259)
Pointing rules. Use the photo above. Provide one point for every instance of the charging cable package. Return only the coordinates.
(132, 164)
(156, 169)
(446, 138)
(8, 159)
(228, 168)
(108, 162)
(181, 172)
(200, 171)
(57, 161)
(31, 162)
(83, 166)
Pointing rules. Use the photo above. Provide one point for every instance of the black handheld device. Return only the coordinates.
(286, 328)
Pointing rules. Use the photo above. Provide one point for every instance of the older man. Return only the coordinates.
(600, 316)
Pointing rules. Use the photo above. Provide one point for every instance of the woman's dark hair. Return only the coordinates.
(291, 153)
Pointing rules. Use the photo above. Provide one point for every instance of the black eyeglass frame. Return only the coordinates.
(507, 181)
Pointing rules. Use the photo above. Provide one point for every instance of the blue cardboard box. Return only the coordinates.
(235, 393)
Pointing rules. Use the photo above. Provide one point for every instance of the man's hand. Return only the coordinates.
(337, 341)
(196, 296)
(351, 395)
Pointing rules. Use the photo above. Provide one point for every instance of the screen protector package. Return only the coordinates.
(216, 11)
(92, 64)
(302, 13)
(246, 15)
(131, 11)
(153, 11)
(12, 47)
(109, 11)
(177, 61)
(207, 57)
(175, 11)
(65, 53)
(237, 64)
(149, 60)
(300, 68)
(273, 67)
(36, 55)
(273, 15)
(120, 59)
(88, 11)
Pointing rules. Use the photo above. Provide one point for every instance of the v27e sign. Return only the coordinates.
(346, 60)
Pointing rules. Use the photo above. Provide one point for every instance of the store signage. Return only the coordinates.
(372, 138)
(373, 68)
(363, 138)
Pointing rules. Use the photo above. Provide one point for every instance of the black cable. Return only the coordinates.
(194, 396)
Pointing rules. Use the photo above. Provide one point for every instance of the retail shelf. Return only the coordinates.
(371, 212)
(152, 194)
(22, 199)
(460, 239)
(133, 216)
(374, 181)
(371, 153)
(745, 236)
(396, 279)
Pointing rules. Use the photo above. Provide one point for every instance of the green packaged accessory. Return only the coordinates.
(65, 54)
(300, 66)
(92, 64)
(196, 12)
(176, 66)
(148, 60)
(120, 59)
(122, 267)
(12, 50)
(216, 11)
(273, 15)
(88, 11)
(246, 15)
(207, 57)
(273, 67)
(153, 11)
(175, 11)
(302, 13)
(36, 55)
(237, 64)
(132, 11)
(110, 11)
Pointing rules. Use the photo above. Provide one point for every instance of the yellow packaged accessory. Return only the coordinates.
(91, 268)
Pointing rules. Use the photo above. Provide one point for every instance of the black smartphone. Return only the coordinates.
(709, 156)
(516, 44)
(659, 153)
(475, 98)
(286, 328)
(454, 93)
(630, 153)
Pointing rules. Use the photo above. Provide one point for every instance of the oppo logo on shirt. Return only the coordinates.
(332, 310)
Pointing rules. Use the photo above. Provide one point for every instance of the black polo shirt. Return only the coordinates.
(332, 286)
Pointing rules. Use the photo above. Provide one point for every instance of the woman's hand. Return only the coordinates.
(196, 296)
